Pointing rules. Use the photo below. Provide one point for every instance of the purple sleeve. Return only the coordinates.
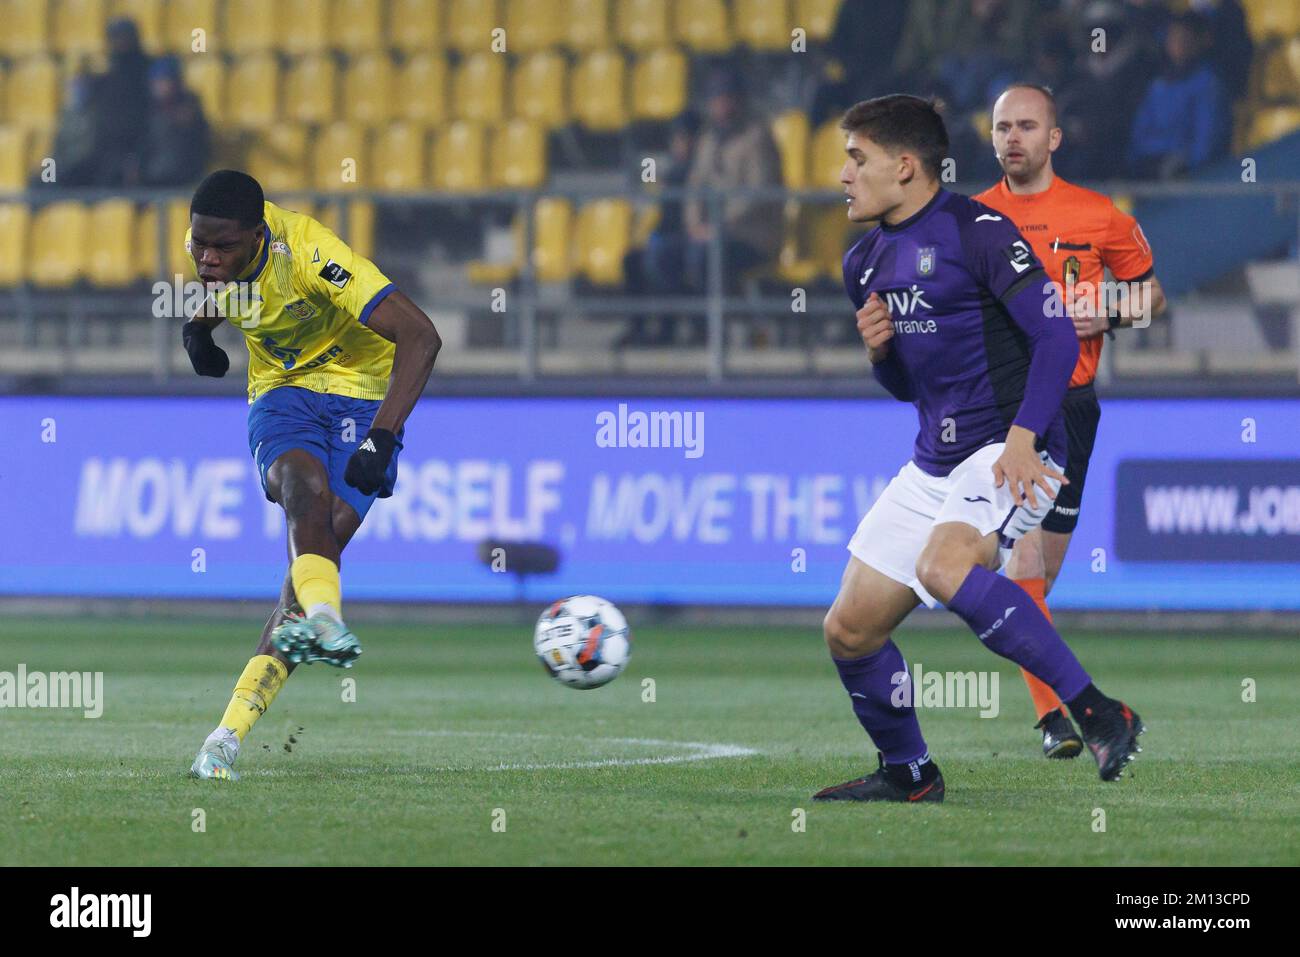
(1053, 351)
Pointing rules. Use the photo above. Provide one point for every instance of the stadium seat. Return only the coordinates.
(470, 24)
(642, 24)
(659, 81)
(251, 26)
(148, 17)
(15, 219)
(1280, 72)
(58, 241)
(479, 88)
(597, 89)
(252, 88)
(179, 260)
(310, 90)
(763, 24)
(399, 158)
(517, 155)
(146, 245)
(795, 265)
(817, 17)
(356, 26)
(78, 27)
(334, 145)
(1273, 122)
(33, 93)
(13, 158)
(182, 17)
(305, 25)
(791, 132)
(702, 25)
(414, 26)
(458, 157)
(537, 89)
(422, 89)
(368, 89)
(826, 158)
(205, 74)
(110, 245)
(1266, 19)
(26, 28)
(533, 25)
(552, 253)
(278, 157)
(587, 25)
(360, 230)
(602, 236)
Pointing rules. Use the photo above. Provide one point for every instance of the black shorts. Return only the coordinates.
(1082, 412)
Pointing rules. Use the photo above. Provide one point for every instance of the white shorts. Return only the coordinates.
(892, 534)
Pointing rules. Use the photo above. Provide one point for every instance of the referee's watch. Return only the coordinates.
(1113, 321)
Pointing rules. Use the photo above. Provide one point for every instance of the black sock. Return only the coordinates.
(1086, 702)
(913, 774)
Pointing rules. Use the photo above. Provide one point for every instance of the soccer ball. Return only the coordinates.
(583, 641)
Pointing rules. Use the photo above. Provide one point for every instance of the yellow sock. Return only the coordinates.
(257, 687)
(316, 585)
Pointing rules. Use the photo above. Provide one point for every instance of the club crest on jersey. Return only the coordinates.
(335, 274)
(925, 261)
(300, 309)
(280, 247)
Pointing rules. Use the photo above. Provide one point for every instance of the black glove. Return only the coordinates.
(206, 356)
(366, 468)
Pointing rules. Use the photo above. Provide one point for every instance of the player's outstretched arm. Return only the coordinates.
(404, 324)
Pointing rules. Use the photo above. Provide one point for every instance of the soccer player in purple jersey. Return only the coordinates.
(958, 319)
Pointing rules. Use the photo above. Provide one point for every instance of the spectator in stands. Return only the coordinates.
(1230, 48)
(176, 149)
(853, 70)
(76, 148)
(123, 97)
(659, 266)
(736, 150)
(1182, 122)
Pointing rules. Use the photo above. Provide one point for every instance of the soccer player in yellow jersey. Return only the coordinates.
(336, 360)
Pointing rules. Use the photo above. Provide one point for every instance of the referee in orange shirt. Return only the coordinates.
(1077, 234)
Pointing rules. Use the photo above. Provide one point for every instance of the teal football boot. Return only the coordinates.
(318, 638)
(216, 759)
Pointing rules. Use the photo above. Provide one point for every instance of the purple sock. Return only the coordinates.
(872, 688)
(1010, 624)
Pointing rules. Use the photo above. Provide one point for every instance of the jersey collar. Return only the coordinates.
(262, 256)
(916, 216)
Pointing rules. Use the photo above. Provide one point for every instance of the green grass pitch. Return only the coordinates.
(451, 724)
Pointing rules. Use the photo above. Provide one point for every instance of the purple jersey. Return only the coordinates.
(978, 344)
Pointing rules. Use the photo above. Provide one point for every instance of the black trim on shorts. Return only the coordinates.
(1082, 412)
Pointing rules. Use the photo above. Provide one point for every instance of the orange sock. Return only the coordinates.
(1045, 699)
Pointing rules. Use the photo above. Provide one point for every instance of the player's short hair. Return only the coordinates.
(230, 194)
(902, 122)
(1045, 90)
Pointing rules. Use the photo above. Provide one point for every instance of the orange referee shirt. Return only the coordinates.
(1077, 234)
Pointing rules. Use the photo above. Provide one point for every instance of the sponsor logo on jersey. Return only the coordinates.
(925, 261)
(334, 274)
(280, 247)
(906, 302)
(300, 309)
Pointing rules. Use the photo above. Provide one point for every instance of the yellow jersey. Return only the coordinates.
(302, 305)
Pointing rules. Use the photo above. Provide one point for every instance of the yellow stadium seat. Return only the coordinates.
(470, 24)
(58, 241)
(826, 157)
(278, 157)
(587, 25)
(517, 157)
(360, 231)
(763, 24)
(479, 88)
(181, 18)
(533, 25)
(422, 89)
(458, 157)
(148, 17)
(310, 90)
(368, 89)
(399, 158)
(492, 273)
(817, 17)
(794, 264)
(537, 89)
(13, 158)
(356, 26)
(659, 81)
(252, 88)
(414, 26)
(40, 147)
(146, 244)
(254, 26)
(305, 25)
(552, 247)
(601, 238)
(33, 93)
(78, 26)
(1280, 72)
(791, 132)
(15, 219)
(335, 146)
(179, 259)
(26, 28)
(1273, 122)
(1266, 19)
(703, 25)
(205, 74)
(110, 244)
(598, 91)
(642, 24)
